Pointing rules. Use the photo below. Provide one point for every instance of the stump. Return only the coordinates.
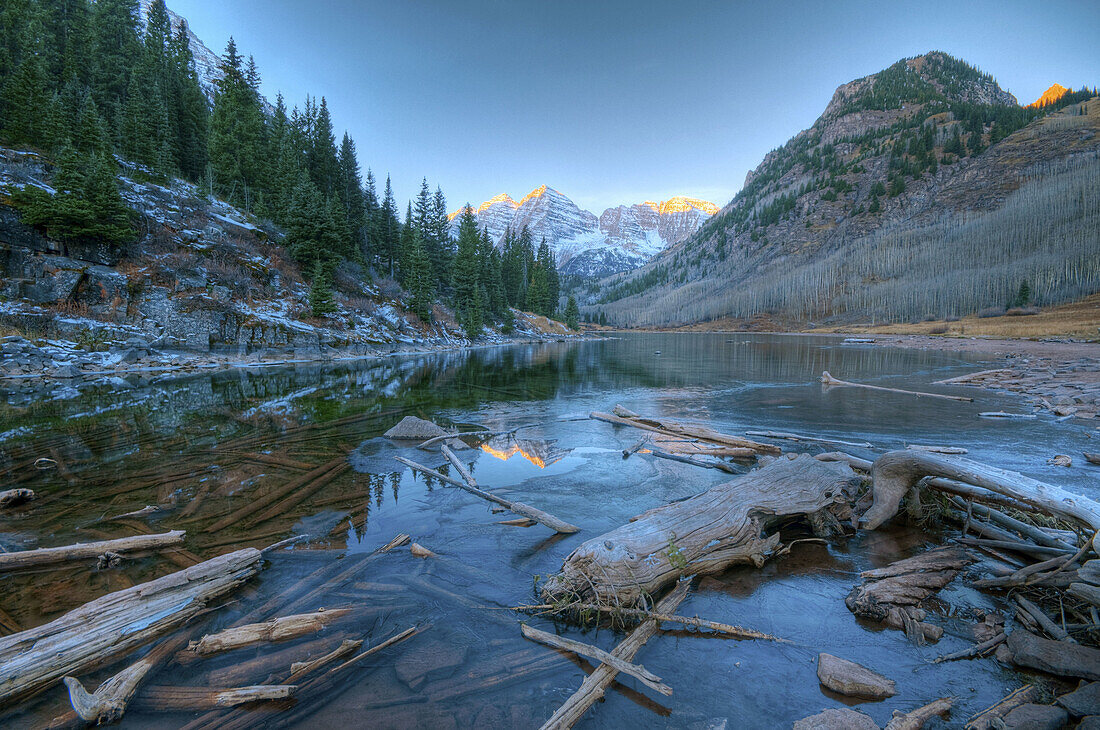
(731, 523)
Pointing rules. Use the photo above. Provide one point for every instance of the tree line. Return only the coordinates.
(88, 83)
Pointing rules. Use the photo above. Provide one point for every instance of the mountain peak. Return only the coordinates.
(502, 198)
(1051, 95)
(537, 193)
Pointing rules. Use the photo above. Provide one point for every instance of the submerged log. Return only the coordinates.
(643, 675)
(14, 497)
(115, 624)
(188, 699)
(88, 550)
(896, 472)
(596, 683)
(518, 507)
(812, 439)
(692, 621)
(728, 524)
(674, 428)
(829, 381)
(277, 629)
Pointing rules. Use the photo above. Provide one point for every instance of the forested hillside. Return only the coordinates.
(922, 191)
(89, 86)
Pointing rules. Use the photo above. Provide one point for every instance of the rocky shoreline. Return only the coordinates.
(1062, 377)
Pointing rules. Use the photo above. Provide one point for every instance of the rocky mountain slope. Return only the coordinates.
(924, 190)
(207, 63)
(622, 238)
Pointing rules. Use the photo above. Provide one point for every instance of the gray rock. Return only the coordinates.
(413, 428)
(854, 680)
(1055, 657)
(64, 370)
(130, 355)
(1092, 722)
(1035, 717)
(837, 719)
(1083, 700)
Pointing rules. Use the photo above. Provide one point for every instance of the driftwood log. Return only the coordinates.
(730, 523)
(15, 497)
(596, 683)
(643, 675)
(829, 381)
(189, 699)
(88, 550)
(277, 629)
(115, 624)
(896, 472)
(675, 428)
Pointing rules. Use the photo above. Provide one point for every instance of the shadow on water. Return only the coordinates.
(249, 457)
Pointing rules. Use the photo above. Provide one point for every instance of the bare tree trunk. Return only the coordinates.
(725, 525)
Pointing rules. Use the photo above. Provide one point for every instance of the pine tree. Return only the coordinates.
(389, 228)
(538, 292)
(323, 164)
(238, 135)
(440, 230)
(116, 48)
(572, 314)
(320, 292)
(350, 189)
(465, 282)
(189, 111)
(370, 219)
(26, 93)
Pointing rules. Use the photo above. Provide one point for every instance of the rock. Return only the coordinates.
(1035, 717)
(412, 428)
(837, 719)
(130, 355)
(429, 660)
(1083, 700)
(1060, 460)
(1092, 722)
(854, 680)
(65, 370)
(1055, 657)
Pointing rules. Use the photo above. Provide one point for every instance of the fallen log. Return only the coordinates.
(419, 551)
(15, 497)
(976, 650)
(968, 378)
(596, 683)
(1086, 592)
(699, 623)
(853, 461)
(986, 719)
(191, 699)
(915, 719)
(673, 428)
(302, 483)
(720, 465)
(1015, 525)
(829, 381)
(896, 472)
(1043, 620)
(250, 671)
(277, 629)
(728, 524)
(937, 449)
(643, 675)
(1006, 415)
(812, 439)
(518, 507)
(88, 550)
(115, 624)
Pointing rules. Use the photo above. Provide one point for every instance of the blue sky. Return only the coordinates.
(614, 102)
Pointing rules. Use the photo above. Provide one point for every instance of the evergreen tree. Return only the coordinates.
(116, 48)
(572, 314)
(538, 292)
(189, 111)
(320, 292)
(465, 272)
(237, 145)
(26, 93)
(439, 226)
(323, 163)
(370, 218)
(513, 276)
(389, 228)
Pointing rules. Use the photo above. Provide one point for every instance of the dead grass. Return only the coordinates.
(1078, 319)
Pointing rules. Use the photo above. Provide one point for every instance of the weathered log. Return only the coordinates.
(1086, 592)
(643, 675)
(1015, 525)
(190, 699)
(1055, 657)
(829, 381)
(896, 472)
(853, 461)
(596, 683)
(15, 497)
(985, 719)
(812, 439)
(277, 629)
(915, 719)
(88, 550)
(1016, 545)
(698, 623)
(728, 524)
(674, 428)
(115, 624)
(970, 377)
(1043, 620)
(346, 647)
(518, 507)
(937, 449)
(976, 650)
(250, 671)
(720, 465)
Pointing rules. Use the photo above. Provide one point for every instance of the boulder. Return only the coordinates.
(411, 428)
(1055, 657)
(1092, 722)
(1084, 700)
(837, 719)
(1035, 717)
(851, 679)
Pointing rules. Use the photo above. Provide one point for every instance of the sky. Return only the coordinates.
(614, 102)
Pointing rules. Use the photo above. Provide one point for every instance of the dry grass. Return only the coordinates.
(1079, 319)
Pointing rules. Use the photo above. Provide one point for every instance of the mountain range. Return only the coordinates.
(620, 239)
(922, 191)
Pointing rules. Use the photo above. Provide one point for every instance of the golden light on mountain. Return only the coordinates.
(512, 450)
(1051, 95)
(536, 193)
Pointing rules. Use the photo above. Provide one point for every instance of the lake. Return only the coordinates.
(203, 449)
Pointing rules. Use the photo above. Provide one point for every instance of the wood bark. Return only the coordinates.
(811, 439)
(518, 507)
(190, 699)
(115, 624)
(896, 472)
(830, 381)
(915, 719)
(728, 524)
(985, 719)
(596, 683)
(14, 497)
(643, 675)
(88, 550)
(277, 629)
